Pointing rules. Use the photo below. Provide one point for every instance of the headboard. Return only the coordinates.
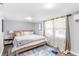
(22, 32)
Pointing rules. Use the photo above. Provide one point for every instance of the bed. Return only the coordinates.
(22, 40)
(25, 40)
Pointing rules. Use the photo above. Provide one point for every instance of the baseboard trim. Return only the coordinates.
(75, 53)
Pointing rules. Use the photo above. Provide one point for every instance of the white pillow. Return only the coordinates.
(28, 33)
(18, 34)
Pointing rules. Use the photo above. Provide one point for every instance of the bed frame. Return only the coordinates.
(29, 46)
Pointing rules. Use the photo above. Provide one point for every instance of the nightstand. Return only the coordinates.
(8, 41)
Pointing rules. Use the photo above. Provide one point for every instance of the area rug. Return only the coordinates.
(40, 51)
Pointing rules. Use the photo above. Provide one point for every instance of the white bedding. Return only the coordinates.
(22, 40)
(29, 37)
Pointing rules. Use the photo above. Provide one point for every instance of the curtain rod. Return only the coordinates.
(58, 17)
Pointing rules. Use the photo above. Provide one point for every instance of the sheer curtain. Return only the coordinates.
(56, 32)
(49, 31)
(60, 33)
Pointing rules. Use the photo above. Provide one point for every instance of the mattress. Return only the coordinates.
(22, 40)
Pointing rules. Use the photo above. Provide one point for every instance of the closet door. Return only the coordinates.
(60, 33)
(49, 31)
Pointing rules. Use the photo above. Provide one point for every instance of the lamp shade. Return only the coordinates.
(10, 31)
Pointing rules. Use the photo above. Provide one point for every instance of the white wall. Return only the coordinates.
(17, 25)
(1, 37)
(74, 35)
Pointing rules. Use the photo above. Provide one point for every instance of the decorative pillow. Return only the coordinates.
(28, 33)
(18, 34)
(25, 33)
(22, 33)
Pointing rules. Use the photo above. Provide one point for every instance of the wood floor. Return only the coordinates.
(8, 49)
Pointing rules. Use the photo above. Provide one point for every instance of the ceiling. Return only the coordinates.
(19, 11)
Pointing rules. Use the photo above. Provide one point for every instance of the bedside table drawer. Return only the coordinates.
(8, 41)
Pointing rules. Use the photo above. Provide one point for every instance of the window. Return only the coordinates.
(49, 28)
(57, 30)
(40, 27)
(60, 27)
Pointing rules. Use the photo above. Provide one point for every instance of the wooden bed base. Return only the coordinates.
(26, 48)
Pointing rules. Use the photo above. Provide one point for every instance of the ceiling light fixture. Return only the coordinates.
(49, 5)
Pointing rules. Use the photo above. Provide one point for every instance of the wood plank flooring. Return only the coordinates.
(7, 50)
